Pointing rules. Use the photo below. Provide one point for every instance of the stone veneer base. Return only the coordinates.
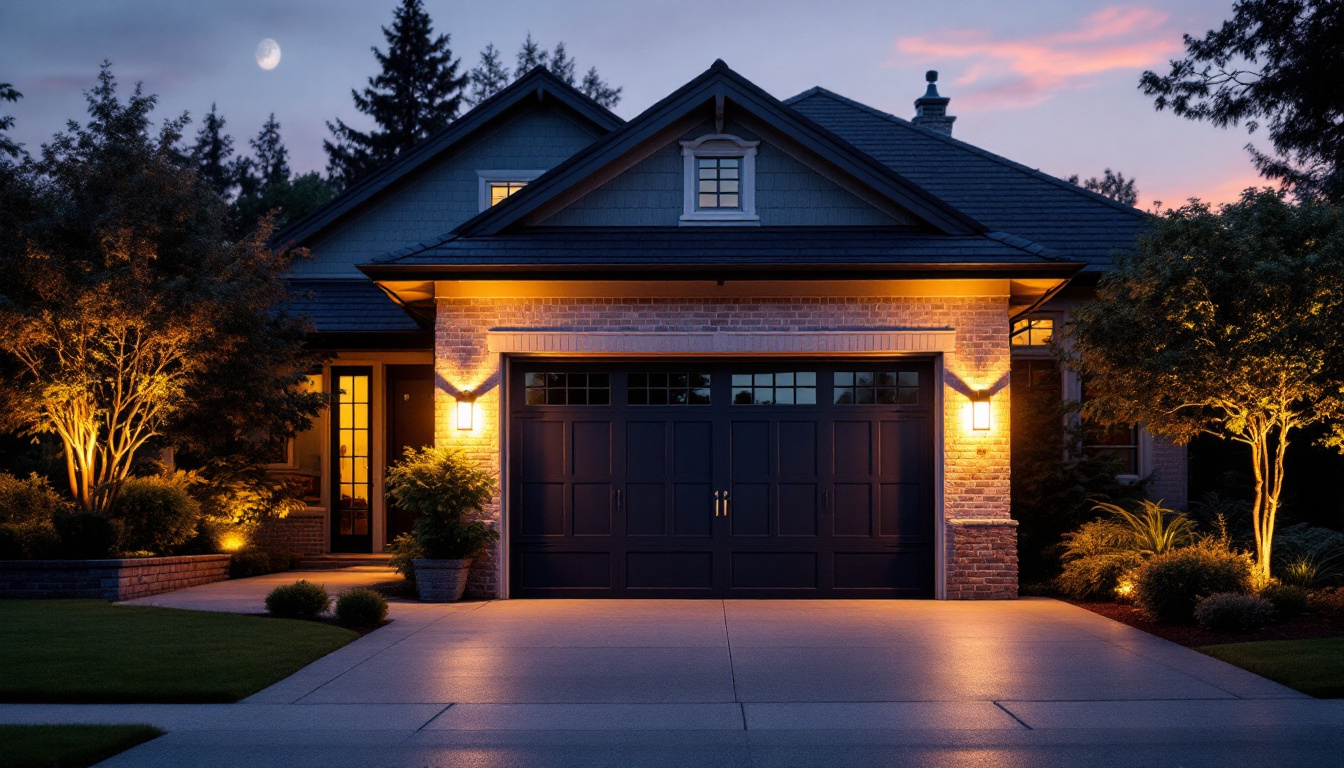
(116, 579)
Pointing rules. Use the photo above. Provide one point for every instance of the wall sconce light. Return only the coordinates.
(980, 410)
(466, 410)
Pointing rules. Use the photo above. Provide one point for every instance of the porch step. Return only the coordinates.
(334, 561)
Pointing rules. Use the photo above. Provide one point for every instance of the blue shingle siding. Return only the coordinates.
(348, 306)
(646, 195)
(1001, 194)
(789, 193)
(445, 193)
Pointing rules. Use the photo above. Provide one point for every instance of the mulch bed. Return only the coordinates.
(1308, 625)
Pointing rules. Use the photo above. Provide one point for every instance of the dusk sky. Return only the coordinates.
(1049, 83)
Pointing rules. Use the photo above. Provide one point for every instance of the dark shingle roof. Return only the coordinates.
(1001, 194)
(348, 306)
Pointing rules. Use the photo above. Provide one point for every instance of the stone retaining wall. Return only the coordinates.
(299, 532)
(120, 579)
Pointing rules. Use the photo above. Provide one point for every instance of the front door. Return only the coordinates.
(352, 459)
(705, 478)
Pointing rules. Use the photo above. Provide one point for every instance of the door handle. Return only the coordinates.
(726, 499)
(618, 500)
(718, 500)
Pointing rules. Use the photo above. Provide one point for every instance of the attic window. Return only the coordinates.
(496, 186)
(720, 180)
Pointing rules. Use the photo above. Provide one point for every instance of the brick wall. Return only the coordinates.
(298, 532)
(120, 579)
(981, 559)
(976, 466)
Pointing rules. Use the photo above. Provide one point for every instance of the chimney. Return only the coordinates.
(931, 109)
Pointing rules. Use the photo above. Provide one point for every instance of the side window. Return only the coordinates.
(784, 388)
(494, 187)
(1120, 440)
(567, 388)
(877, 387)
(667, 389)
(1033, 332)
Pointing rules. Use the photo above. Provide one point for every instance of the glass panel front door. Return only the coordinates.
(352, 456)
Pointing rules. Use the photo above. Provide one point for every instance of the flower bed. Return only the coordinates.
(113, 579)
(1308, 625)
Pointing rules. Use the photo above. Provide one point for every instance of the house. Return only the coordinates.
(735, 346)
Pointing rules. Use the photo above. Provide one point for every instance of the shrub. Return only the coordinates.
(28, 501)
(87, 535)
(1233, 612)
(1167, 586)
(1153, 529)
(1096, 556)
(1289, 600)
(1307, 555)
(404, 550)
(361, 607)
(29, 541)
(158, 514)
(1329, 603)
(300, 600)
(442, 488)
(259, 562)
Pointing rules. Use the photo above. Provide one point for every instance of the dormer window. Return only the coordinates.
(497, 186)
(720, 183)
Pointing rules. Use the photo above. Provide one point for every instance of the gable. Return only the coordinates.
(445, 192)
(788, 192)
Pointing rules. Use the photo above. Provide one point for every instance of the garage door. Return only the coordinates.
(714, 479)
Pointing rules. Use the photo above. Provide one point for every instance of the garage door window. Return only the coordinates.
(877, 388)
(568, 388)
(668, 389)
(785, 388)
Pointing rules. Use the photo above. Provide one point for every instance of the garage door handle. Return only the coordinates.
(718, 502)
(618, 501)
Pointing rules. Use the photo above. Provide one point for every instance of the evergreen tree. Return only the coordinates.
(561, 65)
(8, 147)
(599, 90)
(272, 159)
(267, 188)
(210, 155)
(489, 77)
(1113, 185)
(417, 92)
(530, 56)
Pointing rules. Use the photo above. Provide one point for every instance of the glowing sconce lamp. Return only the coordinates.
(466, 410)
(980, 410)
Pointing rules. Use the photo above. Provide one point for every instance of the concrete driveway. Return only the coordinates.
(1032, 682)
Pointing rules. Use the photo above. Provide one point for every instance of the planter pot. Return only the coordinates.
(441, 581)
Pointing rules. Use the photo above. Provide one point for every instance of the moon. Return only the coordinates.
(268, 54)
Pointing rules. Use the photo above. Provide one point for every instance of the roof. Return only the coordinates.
(539, 84)
(717, 90)
(348, 306)
(710, 252)
(1001, 194)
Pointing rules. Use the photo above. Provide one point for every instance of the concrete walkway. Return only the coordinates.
(1032, 682)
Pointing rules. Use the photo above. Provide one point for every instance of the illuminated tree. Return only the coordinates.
(1224, 323)
(129, 318)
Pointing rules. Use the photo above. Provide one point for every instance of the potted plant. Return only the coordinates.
(443, 489)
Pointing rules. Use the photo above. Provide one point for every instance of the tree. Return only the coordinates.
(210, 155)
(490, 76)
(417, 92)
(1112, 185)
(8, 147)
(1279, 61)
(267, 186)
(130, 318)
(1224, 323)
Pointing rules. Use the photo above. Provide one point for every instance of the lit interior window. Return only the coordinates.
(502, 189)
(719, 183)
(1033, 332)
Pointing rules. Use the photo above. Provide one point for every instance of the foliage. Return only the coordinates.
(1233, 612)
(87, 535)
(1054, 481)
(1167, 586)
(156, 513)
(361, 607)
(1289, 600)
(490, 76)
(132, 319)
(1305, 555)
(28, 500)
(210, 154)
(1329, 603)
(405, 550)
(29, 541)
(8, 147)
(1278, 61)
(301, 600)
(239, 491)
(440, 488)
(261, 561)
(1096, 557)
(417, 92)
(1226, 324)
(1113, 185)
(1155, 530)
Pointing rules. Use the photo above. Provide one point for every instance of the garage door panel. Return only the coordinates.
(543, 509)
(592, 509)
(853, 448)
(881, 570)
(751, 448)
(774, 570)
(670, 570)
(646, 509)
(592, 448)
(902, 513)
(902, 449)
(798, 509)
(692, 509)
(543, 449)
(565, 570)
(853, 509)
(646, 449)
(749, 509)
(693, 449)
(798, 449)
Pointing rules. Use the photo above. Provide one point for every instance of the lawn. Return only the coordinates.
(1314, 667)
(83, 651)
(67, 746)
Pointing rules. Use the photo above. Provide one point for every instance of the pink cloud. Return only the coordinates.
(1020, 72)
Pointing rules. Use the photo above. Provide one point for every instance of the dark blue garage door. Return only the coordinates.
(713, 479)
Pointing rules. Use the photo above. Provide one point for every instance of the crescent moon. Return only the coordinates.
(268, 54)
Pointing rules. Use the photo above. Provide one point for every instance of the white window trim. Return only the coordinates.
(484, 178)
(719, 145)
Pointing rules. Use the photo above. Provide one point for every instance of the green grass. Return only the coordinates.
(84, 651)
(67, 746)
(1314, 667)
